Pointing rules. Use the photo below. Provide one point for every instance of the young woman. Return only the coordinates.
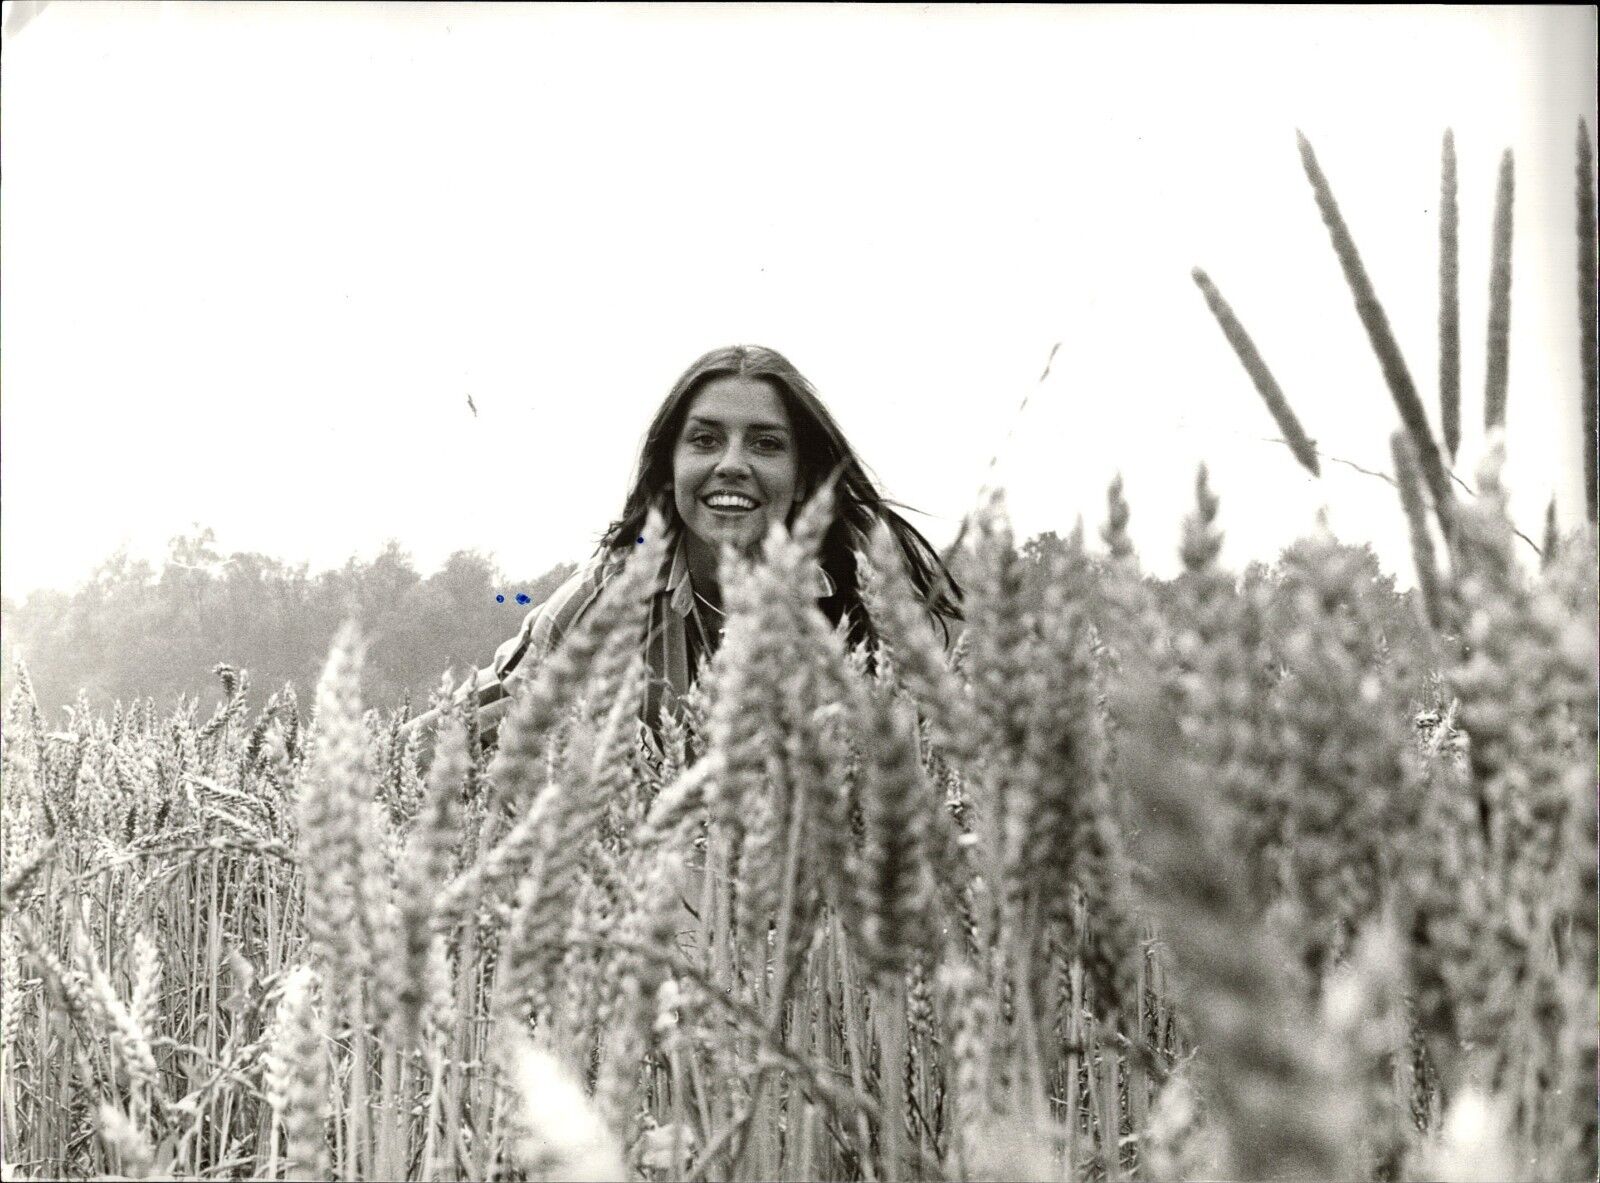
(740, 442)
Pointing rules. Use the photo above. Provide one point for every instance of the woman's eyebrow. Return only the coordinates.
(703, 421)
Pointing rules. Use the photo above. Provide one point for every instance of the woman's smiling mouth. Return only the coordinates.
(730, 503)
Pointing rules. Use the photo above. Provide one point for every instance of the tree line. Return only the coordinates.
(132, 632)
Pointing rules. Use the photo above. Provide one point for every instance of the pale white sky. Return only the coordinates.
(257, 256)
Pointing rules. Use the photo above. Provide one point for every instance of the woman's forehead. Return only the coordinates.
(736, 399)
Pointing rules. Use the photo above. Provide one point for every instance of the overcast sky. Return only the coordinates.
(256, 257)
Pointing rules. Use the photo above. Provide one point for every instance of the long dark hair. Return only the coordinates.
(824, 455)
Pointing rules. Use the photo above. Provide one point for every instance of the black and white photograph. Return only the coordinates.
(808, 591)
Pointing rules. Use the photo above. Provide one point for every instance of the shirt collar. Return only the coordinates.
(680, 592)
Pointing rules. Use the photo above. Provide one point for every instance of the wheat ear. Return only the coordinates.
(1587, 301)
(1449, 300)
(1497, 368)
(1303, 447)
(1384, 345)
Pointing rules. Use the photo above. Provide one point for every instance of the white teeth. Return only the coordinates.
(730, 501)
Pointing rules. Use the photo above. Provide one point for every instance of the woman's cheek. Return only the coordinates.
(688, 474)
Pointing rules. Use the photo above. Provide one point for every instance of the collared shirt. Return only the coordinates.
(678, 638)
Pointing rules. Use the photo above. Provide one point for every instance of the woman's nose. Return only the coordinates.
(733, 459)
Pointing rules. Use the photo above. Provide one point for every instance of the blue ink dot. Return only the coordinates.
(499, 599)
(523, 597)
(640, 540)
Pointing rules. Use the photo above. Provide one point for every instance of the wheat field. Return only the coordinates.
(1234, 876)
(1143, 887)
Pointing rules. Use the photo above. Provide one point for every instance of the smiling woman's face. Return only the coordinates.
(735, 467)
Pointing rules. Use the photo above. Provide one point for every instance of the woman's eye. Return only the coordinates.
(702, 439)
(770, 443)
